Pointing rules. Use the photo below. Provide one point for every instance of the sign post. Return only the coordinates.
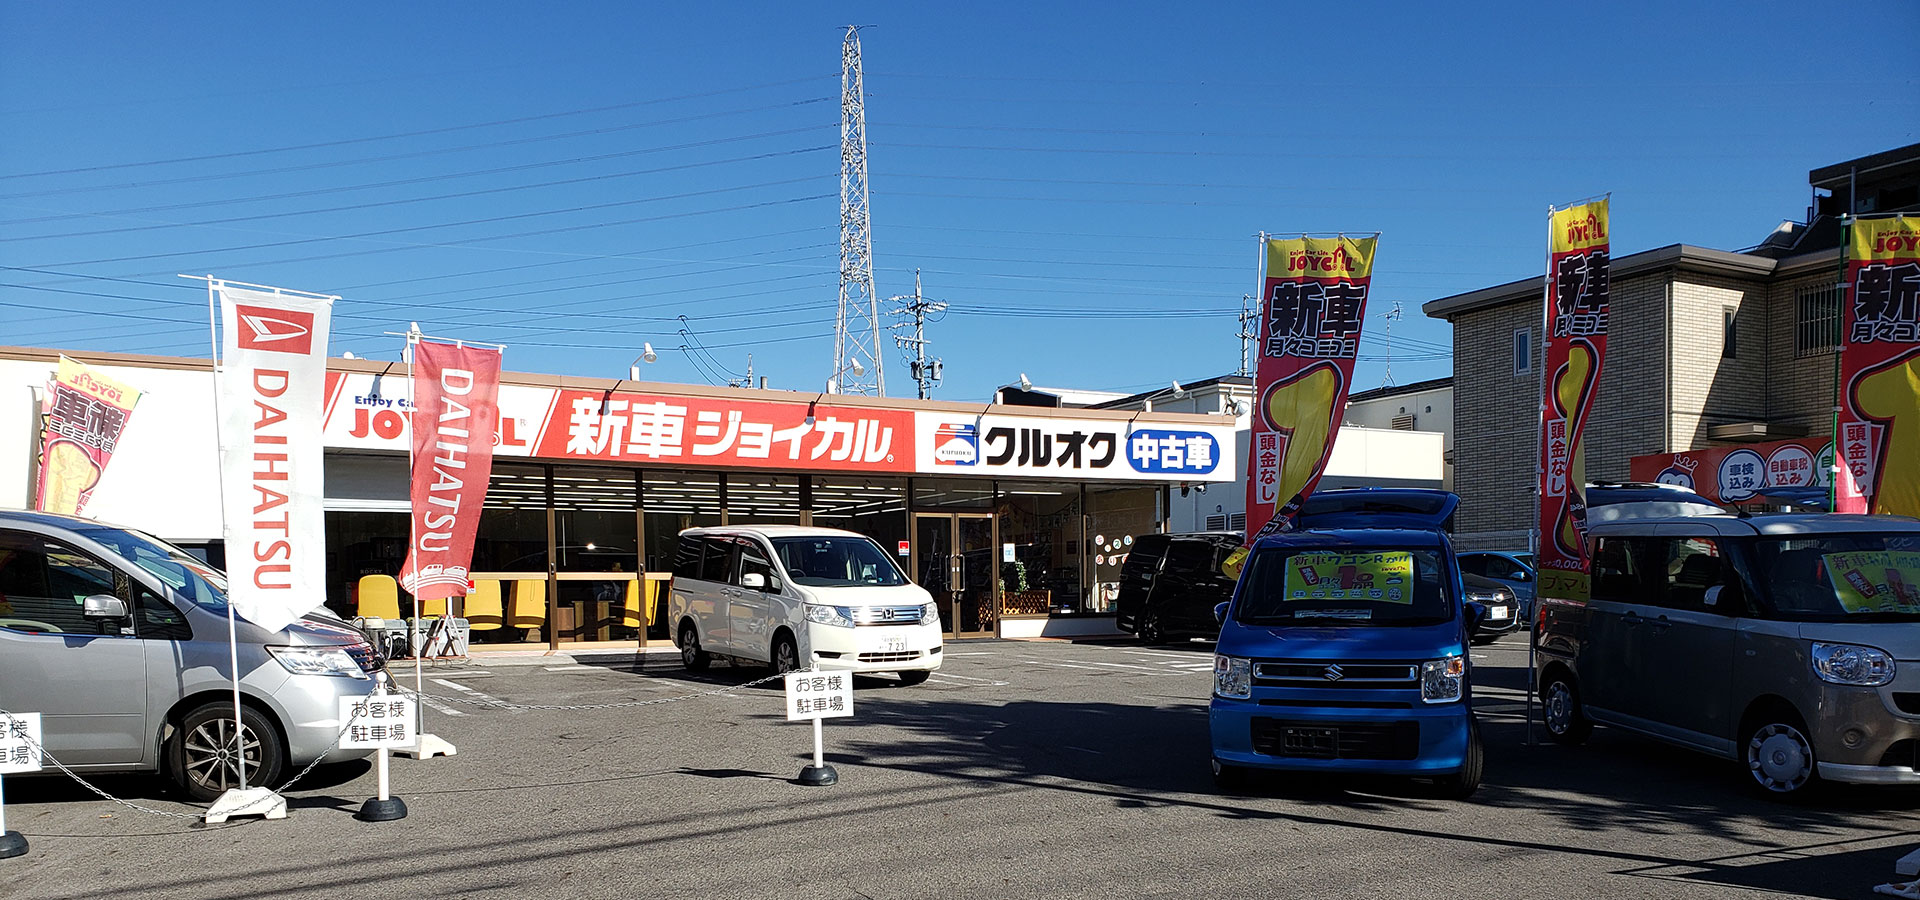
(818, 695)
(383, 722)
(19, 752)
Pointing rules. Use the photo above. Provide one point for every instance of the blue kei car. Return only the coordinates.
(1344, 649)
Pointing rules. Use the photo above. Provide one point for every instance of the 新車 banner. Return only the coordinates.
(1576, 347)
(1877, 424)
(456, 407)
(84, 414)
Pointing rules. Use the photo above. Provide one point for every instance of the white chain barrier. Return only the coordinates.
(502, 704)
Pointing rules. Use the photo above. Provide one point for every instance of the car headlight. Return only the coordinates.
(1442, 680)
(318, 661)
(1852, 664)
(830, 615)
(1232, 677)
(931, 614)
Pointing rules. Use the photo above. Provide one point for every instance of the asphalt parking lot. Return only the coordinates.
(1022, 769)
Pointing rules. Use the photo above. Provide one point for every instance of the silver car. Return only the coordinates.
(119, 640)
(1788, 643)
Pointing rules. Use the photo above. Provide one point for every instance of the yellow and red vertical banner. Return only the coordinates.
(1314, 300)
(85, 414)
(1576, 347)
(1878, 418)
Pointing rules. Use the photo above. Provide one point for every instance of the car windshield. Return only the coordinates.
(1526, 559)
(1344, 586)
(837, 561)
(1850, 577)
(200, 584)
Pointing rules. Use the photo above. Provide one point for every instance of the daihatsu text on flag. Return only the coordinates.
(1314, 301)
(1576, 344)
(272, 390)
(1878, 422)
(456, 392)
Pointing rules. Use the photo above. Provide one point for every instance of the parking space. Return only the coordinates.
(1022, 769)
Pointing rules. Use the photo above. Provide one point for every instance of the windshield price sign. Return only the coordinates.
(819, 695)
(1384, 577)
(1875, 581)
(378, 721)
(20, 743)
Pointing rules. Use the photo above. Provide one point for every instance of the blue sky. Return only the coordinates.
(1083, 184)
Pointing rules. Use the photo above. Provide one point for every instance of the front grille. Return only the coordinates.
(1318, 703)
(888, 615)
(1337, 674)
(890, 657)
(1907, 703)
(1902, 753)
(1299, 739)
(368, 659)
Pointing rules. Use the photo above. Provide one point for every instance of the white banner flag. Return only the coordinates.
(272, 390)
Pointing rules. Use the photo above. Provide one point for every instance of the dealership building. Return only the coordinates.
(1018, 519)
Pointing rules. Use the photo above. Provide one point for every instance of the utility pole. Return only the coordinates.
(1392, 316)
(1249, 332)
(926, 373)
(856, 344)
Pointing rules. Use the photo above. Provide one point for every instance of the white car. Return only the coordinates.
(794, 597)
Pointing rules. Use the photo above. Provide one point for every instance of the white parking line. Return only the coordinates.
(1095, 662)
(942, 678)
(441, 707)
(1036, 662)
(967, 678)
(972, 653)
(484, 697)
(574, 669)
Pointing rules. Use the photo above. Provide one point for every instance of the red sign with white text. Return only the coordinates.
(456, 411)
(1577, 305)
(706, 431)
(1879, 404)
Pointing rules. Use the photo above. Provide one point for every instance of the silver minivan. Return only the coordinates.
(1788, 643)
(119, 641)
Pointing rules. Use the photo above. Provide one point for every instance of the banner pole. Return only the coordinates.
(226, 532)
(1538, 612)
(1846, 290)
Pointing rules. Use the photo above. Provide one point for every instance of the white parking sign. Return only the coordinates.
(379, 720)
(819, 695)
(20, 743)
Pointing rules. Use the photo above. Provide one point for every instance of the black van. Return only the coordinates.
(1171, 583)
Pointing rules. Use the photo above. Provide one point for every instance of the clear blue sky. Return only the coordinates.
(1082, 183)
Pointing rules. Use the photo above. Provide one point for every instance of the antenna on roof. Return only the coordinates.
(1393, 315)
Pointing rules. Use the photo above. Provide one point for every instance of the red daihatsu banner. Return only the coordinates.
(1878, 423)
(1315, 299)
(455, 410)
(1576, 345)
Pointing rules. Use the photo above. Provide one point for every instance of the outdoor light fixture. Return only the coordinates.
(1025, 385)
(1178, 391)
(646, 355)
(858, 369)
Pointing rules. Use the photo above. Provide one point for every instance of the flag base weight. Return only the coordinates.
(376, 810)
(12, 844)
(426, 746)
(818, 776)
(258, 801)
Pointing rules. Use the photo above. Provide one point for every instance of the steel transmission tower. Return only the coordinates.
(856, 345)
(926, 373)
(1249, 332)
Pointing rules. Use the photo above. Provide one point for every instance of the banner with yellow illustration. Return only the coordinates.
(1875, 580)
(1386, 577)
(1877, 425)
(84, 414)
(1576, 345)
(1314, 299)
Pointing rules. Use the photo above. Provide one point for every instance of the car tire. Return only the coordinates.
(912, 677)
(785, 654)
(691, 656)
(1462, 784)
(199, 755)
(1148, 631)
(1560, 710)
(1231, 778)
(1779, 756)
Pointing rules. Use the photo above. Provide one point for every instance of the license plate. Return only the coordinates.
(893, 645)
(1499, 612)
(1311, 741)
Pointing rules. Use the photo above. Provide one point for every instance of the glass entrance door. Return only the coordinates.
(953, 560)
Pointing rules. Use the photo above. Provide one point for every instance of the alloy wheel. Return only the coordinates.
(1557, 709)
(210, 758)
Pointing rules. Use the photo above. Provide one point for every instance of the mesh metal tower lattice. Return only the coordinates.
(856, 344)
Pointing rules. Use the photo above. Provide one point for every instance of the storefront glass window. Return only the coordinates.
(875, 507)
(1115, 517)
(674, 502)
(952, 494)
(358, 544)
(595, 533)
(757, 499)
(1040, 524)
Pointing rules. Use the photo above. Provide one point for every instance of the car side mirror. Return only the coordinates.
(1476, 614)
(1220, 613)
(1523, 577)
(103, 606)
(754, 581)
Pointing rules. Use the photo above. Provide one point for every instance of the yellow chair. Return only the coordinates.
(435, 609)
(483, 608)
(529, 608)
(379, 597)
(634, 613)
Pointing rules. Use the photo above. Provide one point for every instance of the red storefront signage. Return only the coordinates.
(1878, 422)
(1576, 346)
(704, 431)
(1739, 474)
(454, 416)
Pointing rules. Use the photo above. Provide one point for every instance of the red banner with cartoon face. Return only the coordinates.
(454, 413)
(1878, 423)
(1314, 301)
(1576, 346)
(1777, 471)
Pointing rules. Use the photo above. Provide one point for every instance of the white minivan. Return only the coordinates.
(794, 597)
